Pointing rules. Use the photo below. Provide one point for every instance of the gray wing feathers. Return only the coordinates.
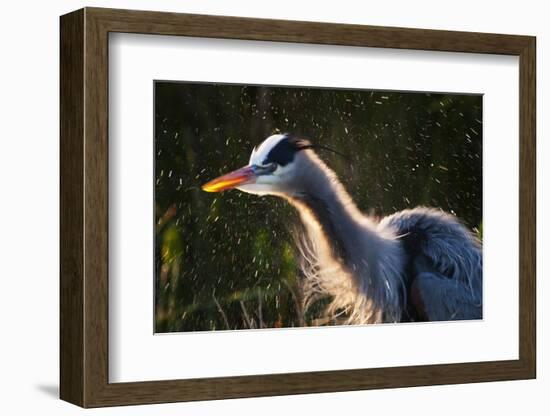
(447, 262)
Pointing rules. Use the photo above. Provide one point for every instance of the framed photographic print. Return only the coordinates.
(256, 207)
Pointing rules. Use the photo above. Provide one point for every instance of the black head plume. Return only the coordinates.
(283, 152)
(302, 143)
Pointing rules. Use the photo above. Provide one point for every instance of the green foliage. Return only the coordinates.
(227, 261)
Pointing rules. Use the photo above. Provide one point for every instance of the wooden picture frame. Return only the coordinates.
(84, 207)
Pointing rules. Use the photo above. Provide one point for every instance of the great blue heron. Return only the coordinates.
(419, 264)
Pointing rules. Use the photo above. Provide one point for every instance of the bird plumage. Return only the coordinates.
(417, 264)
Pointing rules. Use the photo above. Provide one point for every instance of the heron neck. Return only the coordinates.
(325, 206)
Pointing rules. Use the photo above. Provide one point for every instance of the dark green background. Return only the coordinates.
(226, 261)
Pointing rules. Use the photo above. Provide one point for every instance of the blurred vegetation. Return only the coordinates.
(227, 261)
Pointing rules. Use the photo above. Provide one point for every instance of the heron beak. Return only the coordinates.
(231, 180)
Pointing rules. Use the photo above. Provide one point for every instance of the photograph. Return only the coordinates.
(291, 206)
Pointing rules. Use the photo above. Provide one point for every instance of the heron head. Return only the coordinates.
(272, 168)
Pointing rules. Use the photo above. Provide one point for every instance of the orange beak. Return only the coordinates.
(231, 180)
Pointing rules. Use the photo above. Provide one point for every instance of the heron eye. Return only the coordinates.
(270, 167)
(266, 168)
